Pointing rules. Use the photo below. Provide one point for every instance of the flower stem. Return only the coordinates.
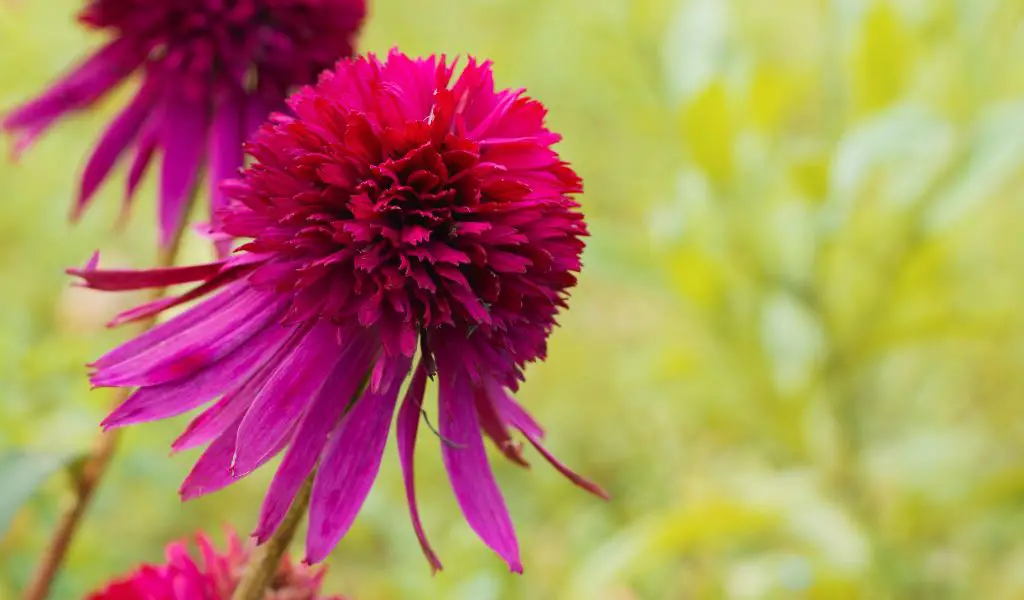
(266, 559)
(88, 475)
(86, 480)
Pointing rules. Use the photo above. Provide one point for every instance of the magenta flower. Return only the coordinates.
(403, 208)
(212, 71)
(214, 577)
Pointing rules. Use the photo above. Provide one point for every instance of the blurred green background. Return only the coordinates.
(795, 356)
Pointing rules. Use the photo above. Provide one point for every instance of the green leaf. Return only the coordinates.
(883, 62)
(710, 130)
(21, 473)
(706, 528)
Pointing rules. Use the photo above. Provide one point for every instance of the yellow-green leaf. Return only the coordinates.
(709, 131)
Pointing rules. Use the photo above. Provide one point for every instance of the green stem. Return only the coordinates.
(266, 559)
(88, 476)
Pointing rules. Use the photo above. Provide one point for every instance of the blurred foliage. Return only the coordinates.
(794, 357)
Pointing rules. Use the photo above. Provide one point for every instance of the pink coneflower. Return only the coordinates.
(212, 71)
(214, 577)
(402, 209)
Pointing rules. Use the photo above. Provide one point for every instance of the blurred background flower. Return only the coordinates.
(793, 358)
(209, 574)
(211, 73)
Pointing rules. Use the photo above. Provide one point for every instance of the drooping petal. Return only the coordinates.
(213, 469)
(517, 416)
(466, 462)
(287, 393)
(320, 419)
(571, 475)
(512, 412)
(350, 464)
(197, 347)
(149, 138)
(81, 87)
(257, 109)
(225, 277)
(157, 335)
(112, 145)
(408, 425)
(226, 137)
(212, 422)
(183, 138)
(495, 427)
(176, 397)
(115, 280)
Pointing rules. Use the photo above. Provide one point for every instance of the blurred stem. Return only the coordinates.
(266, 559)
(854, 490)
(832, 84)
(88, 473)
(847, 477)
(849, 406)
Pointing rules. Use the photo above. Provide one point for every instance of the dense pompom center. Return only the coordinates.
(418, 218)
(266, 44)
(414, 209)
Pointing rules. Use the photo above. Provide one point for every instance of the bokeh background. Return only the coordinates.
(795, 358)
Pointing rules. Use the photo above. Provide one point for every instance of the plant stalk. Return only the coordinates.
(87, 477)
(266, 559)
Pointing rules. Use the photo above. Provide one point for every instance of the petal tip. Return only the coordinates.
(76, 211)
(189, 491)
(435, 564)
(110, 423)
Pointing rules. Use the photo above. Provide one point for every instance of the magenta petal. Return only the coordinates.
(521, 420)
(183, 140)
(111, 146)
(176, 397)
(213, 469)
(208, 425)
(228, 275)
(226, 158)
(144, 148)
(497, 429)
(311, 437)
(82, 86)
(197, 347)
(226, 138)
(470, 474)
(350, 465)
(286, 395)
(257, 112)
(211, 422)
(513, 412)
(116, 280)
(408, 424)
(571, 475)
(197, 314)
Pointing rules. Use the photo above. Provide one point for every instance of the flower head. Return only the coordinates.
(212, 70)
(214, 577)
(405, 209)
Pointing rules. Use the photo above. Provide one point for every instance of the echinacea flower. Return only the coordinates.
(211, 70)
(214, 577)
(403, 210)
